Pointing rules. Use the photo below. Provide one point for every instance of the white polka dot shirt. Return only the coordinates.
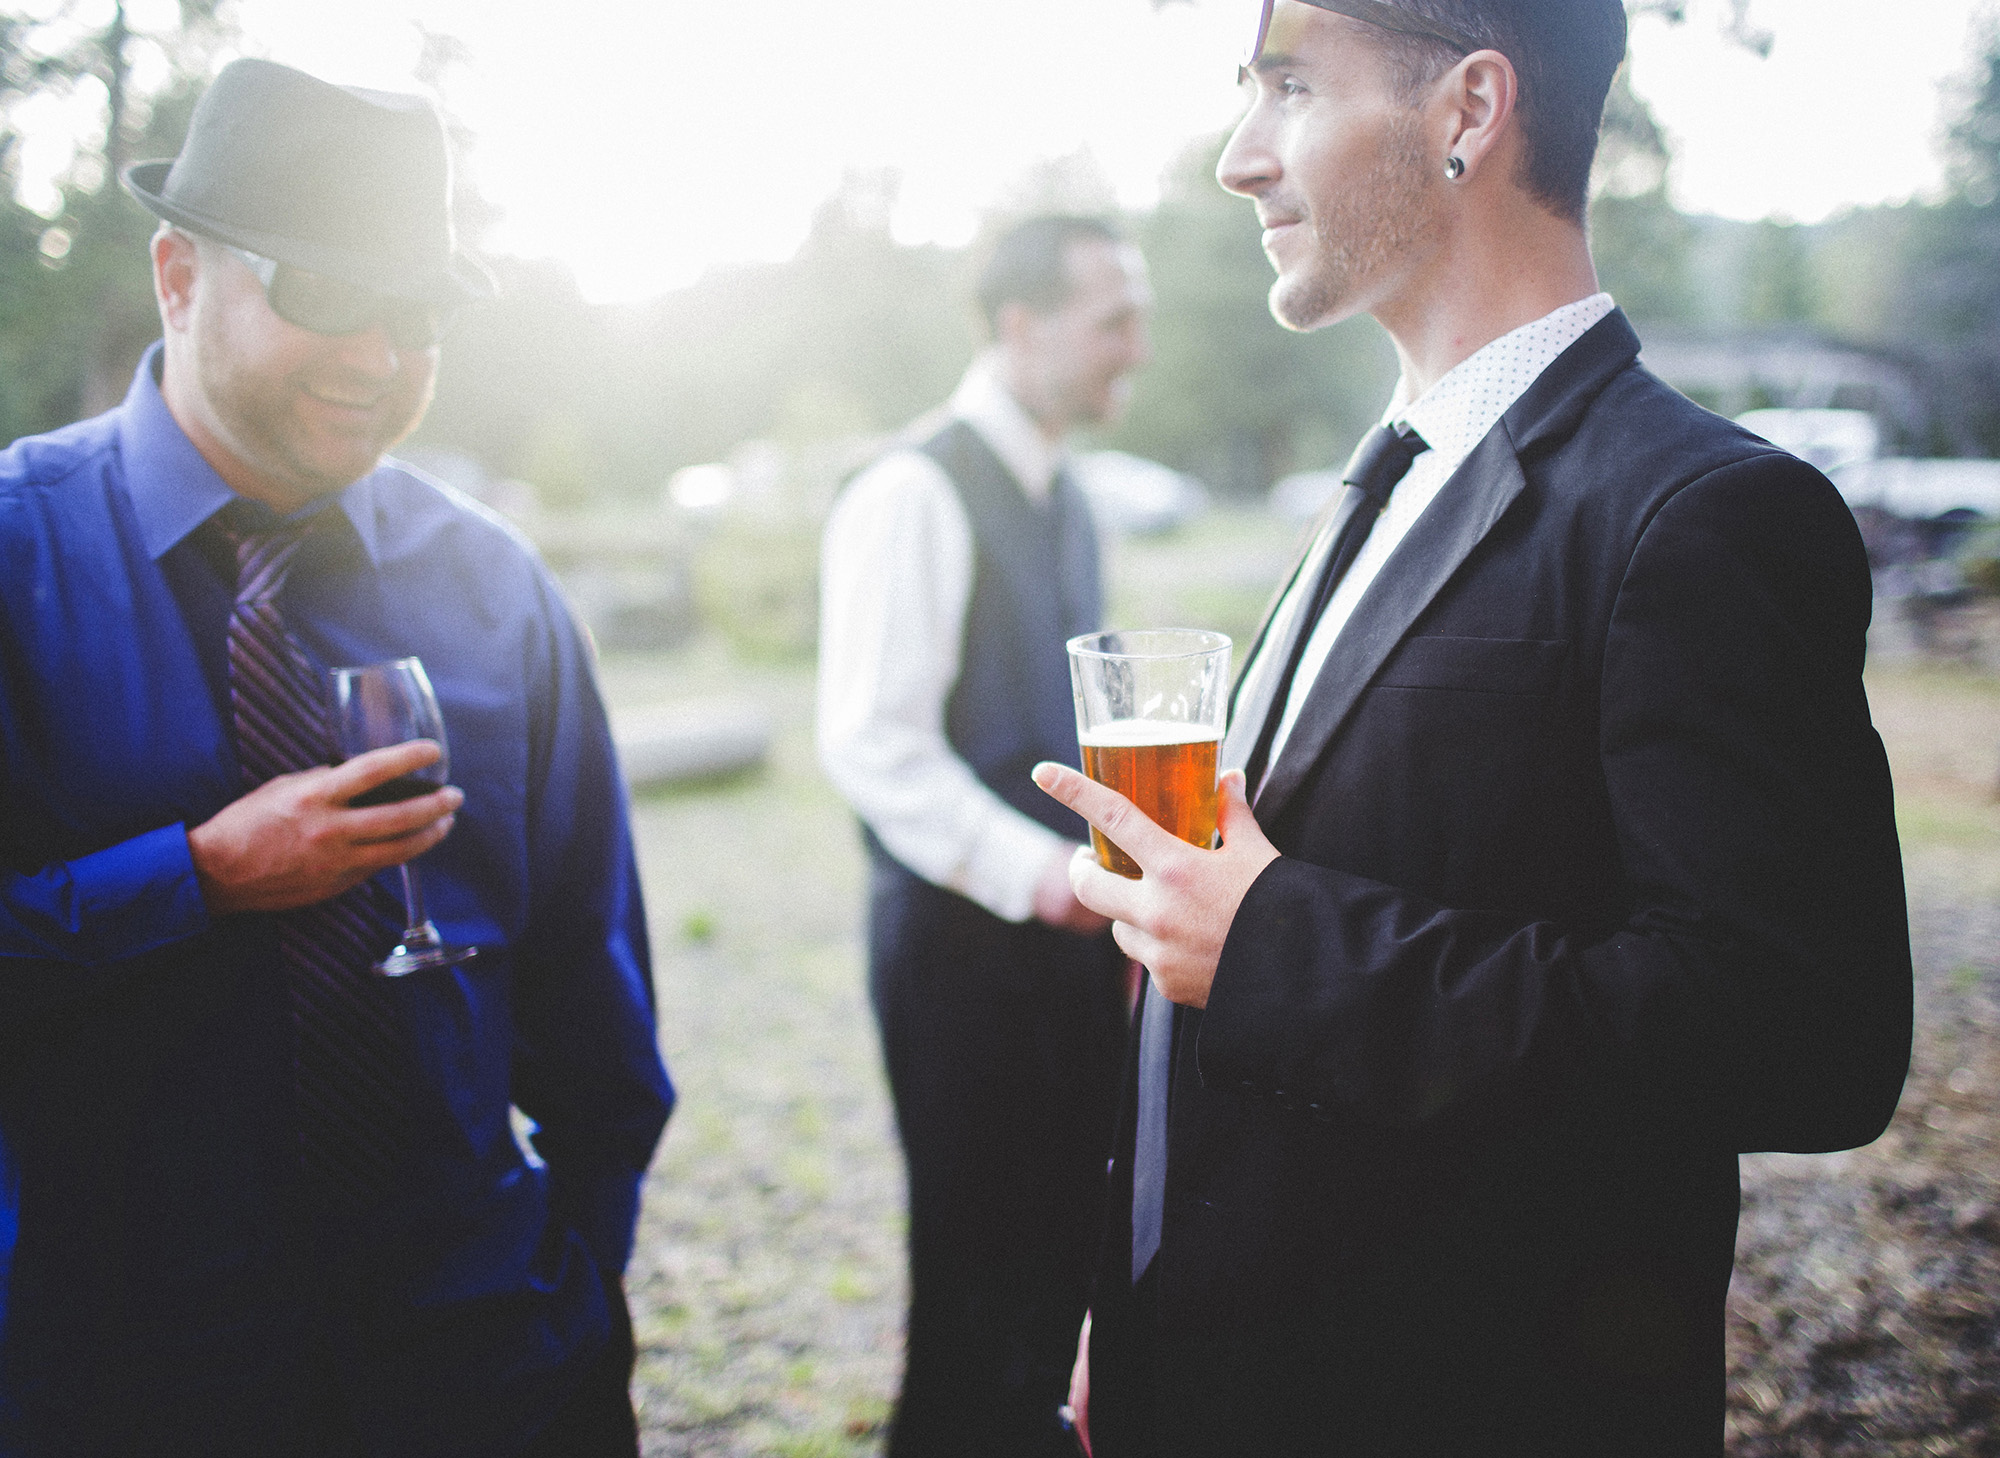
(1453, 416)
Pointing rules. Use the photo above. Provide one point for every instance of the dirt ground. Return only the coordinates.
(1865, 1313)
(767, 1288)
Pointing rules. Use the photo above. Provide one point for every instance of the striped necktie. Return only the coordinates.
(350, 1067)
(1381, 460)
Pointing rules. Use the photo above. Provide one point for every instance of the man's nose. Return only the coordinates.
(369, 351)
(1248, 164)
(1139, 350)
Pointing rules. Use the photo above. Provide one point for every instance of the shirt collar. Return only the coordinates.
(1456, 413)
(174, 489)
(986, 404)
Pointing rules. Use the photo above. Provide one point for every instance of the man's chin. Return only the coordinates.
(1303, 305)
(330, 472)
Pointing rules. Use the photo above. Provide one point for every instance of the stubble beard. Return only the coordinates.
(263, 413)
(1359, 235)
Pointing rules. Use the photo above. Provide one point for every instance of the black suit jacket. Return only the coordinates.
(1590, 881)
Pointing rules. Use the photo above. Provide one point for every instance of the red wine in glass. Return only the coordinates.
(377, 705)
(403, 787)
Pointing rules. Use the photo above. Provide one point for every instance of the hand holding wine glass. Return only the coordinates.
(377, 705)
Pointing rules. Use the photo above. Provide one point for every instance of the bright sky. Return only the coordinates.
(643, 140)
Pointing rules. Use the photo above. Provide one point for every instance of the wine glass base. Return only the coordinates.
(406, 959)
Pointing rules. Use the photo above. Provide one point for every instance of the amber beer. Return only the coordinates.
(1166, 769)
(1150, 704)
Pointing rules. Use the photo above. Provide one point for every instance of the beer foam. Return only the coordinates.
(1134, 733)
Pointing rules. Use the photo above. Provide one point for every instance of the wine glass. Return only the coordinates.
(392, 703)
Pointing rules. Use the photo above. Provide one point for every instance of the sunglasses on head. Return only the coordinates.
(1383, 17)
(333, 306)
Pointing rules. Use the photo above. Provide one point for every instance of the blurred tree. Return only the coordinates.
(1975, 136)
(1642, 243)
(1776, 276)
(98, 89)
(856, 332)
(1231, 396)
(1946, 307)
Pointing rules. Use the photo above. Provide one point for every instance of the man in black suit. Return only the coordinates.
(1567, 868)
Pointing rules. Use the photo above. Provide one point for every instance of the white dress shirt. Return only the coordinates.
(1453, 416)
(896, 570)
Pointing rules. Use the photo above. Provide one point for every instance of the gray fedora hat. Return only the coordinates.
(335, 180)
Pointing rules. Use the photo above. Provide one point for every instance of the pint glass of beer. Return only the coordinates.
(1149, 715)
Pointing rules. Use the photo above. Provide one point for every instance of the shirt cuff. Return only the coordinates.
(132, 897)
(1006, 864)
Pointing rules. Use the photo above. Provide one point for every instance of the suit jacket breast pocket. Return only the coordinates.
(1518, 666)
(1453, 779)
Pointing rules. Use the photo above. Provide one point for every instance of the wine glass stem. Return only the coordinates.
(413, 902)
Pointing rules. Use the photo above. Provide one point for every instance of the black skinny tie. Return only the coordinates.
(1381, 460)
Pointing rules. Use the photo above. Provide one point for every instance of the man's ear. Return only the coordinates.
(1012, 323)
(176, 275)
(1479, 95)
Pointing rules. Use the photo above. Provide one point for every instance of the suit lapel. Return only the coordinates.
(1324, 524)
(1250, 700)
(1484, 486)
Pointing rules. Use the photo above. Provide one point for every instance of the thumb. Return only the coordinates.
(1233, 816)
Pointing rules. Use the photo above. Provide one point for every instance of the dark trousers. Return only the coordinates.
(1004, 1045)
(1124, 1328)
(596, 1420)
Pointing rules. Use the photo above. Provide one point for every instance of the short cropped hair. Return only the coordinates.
(1029, 263)
(1565, 53)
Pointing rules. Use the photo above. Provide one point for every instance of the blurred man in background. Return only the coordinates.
(270, 1201)
(954, 570)
(1558, 859)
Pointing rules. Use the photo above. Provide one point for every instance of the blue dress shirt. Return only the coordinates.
(170, 1287)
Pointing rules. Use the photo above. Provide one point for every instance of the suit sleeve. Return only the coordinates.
(587, 1067)
(1755, 988)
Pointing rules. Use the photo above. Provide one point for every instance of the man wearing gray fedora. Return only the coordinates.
(267, 1199)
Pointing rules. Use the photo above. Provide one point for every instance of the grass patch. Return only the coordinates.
(1928, 820)
(816, 1445)
(849, 1285)
(703, 786)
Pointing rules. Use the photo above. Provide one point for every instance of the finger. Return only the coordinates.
(377, 823)
(1105, 892)
(379, 766)
(1135, 944)
(1138, 836)
(1233, 814)
(379, 855)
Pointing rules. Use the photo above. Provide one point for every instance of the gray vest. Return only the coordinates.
(1034, 587)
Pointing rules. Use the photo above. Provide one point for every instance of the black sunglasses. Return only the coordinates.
(1384, 17)
(333, 306)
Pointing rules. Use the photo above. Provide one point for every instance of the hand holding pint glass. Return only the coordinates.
(1149, 715)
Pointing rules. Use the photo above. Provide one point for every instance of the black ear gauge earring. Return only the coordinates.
(1454, 168)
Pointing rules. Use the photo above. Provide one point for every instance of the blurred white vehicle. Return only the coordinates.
(1917, 489)
(1829, 439)
(1299, 496)
(1134, 496)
